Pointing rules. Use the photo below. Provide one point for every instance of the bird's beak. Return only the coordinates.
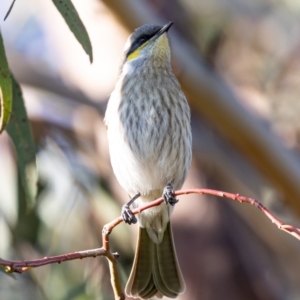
(164, 29)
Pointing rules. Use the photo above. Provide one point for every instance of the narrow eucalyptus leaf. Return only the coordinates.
(5, 88)
(20, 132)
(69, 13)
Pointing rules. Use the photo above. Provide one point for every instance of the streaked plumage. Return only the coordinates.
(149, 134)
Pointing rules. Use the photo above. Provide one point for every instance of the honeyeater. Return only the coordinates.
(150, 146)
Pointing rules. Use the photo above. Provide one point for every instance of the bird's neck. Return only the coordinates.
(151, 67)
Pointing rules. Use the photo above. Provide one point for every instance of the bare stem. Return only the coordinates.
(23, 266)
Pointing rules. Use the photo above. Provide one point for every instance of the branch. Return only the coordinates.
(23, 266)
(294, 231)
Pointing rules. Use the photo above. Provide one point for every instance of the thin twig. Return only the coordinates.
(23, 266)
(294, 231)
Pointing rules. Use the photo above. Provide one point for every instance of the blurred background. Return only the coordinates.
(239, 65)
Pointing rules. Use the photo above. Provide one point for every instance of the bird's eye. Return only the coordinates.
(142, 40)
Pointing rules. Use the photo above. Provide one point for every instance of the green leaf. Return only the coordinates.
(20, 132)
(5, 88)
(69, 13)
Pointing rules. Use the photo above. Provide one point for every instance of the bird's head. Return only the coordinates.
(148, 42)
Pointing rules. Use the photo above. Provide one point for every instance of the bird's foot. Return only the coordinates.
(168, 195)
(126, 213)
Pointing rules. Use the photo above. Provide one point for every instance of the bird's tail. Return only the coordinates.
(155, 270)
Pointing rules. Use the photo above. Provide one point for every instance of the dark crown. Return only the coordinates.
(142, 35)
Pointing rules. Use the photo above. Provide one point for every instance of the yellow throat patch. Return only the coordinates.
(136, 52)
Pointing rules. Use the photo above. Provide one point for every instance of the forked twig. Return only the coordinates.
(23, 266)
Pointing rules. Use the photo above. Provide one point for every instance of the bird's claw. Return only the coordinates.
(168, 195)
(127, 215)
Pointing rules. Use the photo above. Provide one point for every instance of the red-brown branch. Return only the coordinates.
(294, 231)
(242, 199)
(22, 266)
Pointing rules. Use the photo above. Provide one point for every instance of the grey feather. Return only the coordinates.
(155, 270)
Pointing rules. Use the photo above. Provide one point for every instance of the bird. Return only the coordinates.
(150, 146)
